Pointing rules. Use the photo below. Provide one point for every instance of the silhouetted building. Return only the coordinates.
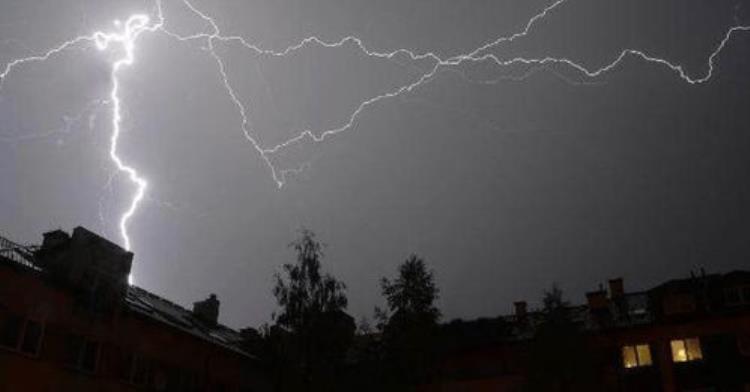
(69, 321)
(688, 334)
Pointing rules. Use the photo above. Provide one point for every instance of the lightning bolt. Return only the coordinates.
(132, 28)
(128, 33)
(125, 39)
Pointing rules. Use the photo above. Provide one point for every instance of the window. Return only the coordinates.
(732, 296)
(738, 295)
(142, 371)
(686, 350)
(10, 330)
(19, 334)
(636, 356)
(743, 345)
(32, 337)
(678, 303)
(82, 353)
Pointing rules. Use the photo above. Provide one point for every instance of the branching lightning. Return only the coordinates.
(133, 27)
(124, 42)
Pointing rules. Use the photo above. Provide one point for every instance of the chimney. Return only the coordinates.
(597, 300)
(521, 309)
(616, 288)
(85, 258)
(55, 239)
(207, 310)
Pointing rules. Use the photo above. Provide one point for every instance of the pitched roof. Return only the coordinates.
(162, 310)
(142, 302)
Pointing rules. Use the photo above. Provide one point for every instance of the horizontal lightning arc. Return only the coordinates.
(138, 24)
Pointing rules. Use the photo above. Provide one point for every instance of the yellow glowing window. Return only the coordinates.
(636, 356)
(644, 354)
(686, 350)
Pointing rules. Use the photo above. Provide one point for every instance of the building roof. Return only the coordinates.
(22, 255)
(141, 302)
(162, 310)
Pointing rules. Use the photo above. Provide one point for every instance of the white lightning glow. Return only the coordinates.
(125, 38)
(474, 56)
(133, 27)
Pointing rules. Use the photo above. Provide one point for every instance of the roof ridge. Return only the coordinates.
(180, 307)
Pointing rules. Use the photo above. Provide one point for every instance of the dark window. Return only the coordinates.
(182, 380)
(679, 303)
(73, 347)
(743, 345)
(189, 381)
(746, 294)
(82, 353)
(32, 337)
(732, 296)
(90, 356)
(10, 330)
(124, 364)
(142, 371)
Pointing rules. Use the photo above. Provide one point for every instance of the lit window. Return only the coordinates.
(686, 350)
(644, 354)
(629, 358)
(636, 356)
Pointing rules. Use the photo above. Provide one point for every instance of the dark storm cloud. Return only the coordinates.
(503, 187)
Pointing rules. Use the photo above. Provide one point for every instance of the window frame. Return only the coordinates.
(23, 325)
(639, 362)
(19, 320)
(689, 357)
(80, 355)
(741, 294)
(40, 338)
(733, 296)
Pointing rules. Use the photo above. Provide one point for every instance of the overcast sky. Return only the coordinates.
(505, 179)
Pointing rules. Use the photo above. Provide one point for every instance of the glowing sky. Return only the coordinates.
(511, 143)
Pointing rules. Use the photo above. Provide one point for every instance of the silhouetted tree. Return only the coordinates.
(554, 307)
(313, 332)
(409, 325)
(560, 360)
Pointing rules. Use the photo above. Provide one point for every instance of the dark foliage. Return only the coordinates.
(308, 345)
(409, 325)
(559, 362)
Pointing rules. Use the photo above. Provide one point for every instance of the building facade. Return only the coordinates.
(69, 321)
(689, 334)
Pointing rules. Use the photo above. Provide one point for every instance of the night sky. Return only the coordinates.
(504, 178)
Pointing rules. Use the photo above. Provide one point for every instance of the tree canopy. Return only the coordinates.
(305, 292)
(413, 292)
(312, 332)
